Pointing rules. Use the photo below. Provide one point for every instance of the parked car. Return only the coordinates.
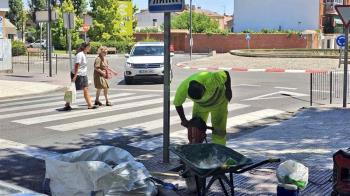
(145, 61)
(38, 44)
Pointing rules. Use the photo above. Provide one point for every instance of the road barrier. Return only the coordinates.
(326, 87)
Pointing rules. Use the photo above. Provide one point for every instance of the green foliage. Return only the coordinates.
(149, 30)
(134, 20)
(18, 48)
(80, 6)
(201, 23)
(122, 46)
(148, 39)
(59, 33)
(95, 46)
(106, 20)
(17, 14)
(248, 31)
(30, 34)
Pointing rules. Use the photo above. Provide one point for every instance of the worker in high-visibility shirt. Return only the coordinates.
(211, 92)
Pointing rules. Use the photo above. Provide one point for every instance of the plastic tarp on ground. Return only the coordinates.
(102, 170)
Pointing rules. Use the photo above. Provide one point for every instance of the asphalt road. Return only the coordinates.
(32, 128)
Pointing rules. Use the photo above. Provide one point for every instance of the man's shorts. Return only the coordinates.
(81, 82)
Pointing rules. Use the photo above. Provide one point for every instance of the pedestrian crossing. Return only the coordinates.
(133, 114)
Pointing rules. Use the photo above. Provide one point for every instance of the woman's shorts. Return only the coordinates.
(81, 82)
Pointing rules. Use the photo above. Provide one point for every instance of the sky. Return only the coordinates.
(218, 6)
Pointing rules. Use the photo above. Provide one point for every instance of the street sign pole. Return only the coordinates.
(166, 120)
(346, 54)
(191, 36)
(49, 38)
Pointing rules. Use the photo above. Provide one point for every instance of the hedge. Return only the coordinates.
(121, 46)
(18, 48)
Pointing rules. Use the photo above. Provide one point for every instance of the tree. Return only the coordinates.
(201, 23)
(80, 6)
(106, 24)
(59, 32)
(17, 15)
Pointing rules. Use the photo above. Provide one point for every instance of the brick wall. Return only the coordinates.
(204, 43)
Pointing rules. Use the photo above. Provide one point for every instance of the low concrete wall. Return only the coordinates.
(204, 43)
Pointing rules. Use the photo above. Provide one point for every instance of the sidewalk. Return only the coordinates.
(19, 88)
(310, 137)
(239, 63)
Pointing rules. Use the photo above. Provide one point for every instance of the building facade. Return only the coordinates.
(329, 19)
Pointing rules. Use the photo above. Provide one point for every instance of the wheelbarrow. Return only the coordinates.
(213, 161)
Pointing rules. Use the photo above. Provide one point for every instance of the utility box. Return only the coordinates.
(5, 55)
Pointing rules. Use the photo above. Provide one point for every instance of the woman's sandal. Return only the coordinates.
(108, 103)
(98, 103)
(93, 107)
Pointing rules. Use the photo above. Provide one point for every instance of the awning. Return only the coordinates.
(9, 27)
(338, 21)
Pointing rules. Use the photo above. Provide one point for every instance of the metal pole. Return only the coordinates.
(331, 88)
(41, 34)
(85, 37)
(28, 61)
(166, 119)
(311, 90)
(43, 62)
(49, 40)
(70, 47)
(191, 36)
(345, 90)
(56, 63)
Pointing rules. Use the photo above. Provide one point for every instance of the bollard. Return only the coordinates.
(28, 61)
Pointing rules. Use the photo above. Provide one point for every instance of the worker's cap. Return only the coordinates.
(196, 90)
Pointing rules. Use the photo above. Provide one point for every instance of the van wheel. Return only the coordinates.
(128, 80)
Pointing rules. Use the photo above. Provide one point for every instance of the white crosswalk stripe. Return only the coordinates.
(111, 119)
(180, 137)
(147, 126)
(5, 101)
(74, 114)
(43, 111)
(33, 106)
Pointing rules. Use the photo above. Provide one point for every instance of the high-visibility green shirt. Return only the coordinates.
(214, 83)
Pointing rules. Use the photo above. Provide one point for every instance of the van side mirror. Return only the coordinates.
(127, 55)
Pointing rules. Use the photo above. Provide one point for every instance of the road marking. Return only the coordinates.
(280, 95)
(257, 70)
(147, 126)
(53, 103)
(177, 137)
(285, 88)
(74, 114)
(34, 112)
(19, 148)
(110, 119)
(141, 90)
(248, 85)
(28, 98)
(252, 116)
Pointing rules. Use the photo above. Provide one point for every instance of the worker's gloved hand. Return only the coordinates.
(196, 135)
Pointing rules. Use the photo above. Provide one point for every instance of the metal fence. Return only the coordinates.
(327, 87)
(34, 62)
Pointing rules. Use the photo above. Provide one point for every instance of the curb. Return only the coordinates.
(241, 69)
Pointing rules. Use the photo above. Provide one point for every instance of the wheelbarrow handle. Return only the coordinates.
(257, 165)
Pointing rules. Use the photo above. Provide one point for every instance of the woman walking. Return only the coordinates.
(101, 74)
(79, 75)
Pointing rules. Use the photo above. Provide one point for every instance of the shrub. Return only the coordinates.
(95, 46)
(18, 48)
(123, 46)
